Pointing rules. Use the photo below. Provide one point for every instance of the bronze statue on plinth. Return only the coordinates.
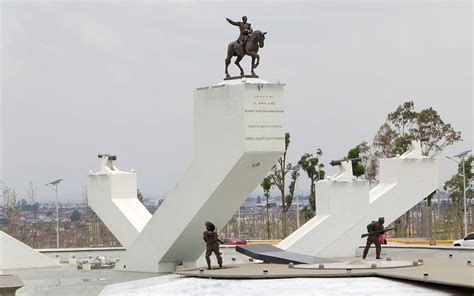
(248, 43)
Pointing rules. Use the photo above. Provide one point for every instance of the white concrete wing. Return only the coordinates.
(345, 205)
(112, 194)
(16, 255)
(239, 136)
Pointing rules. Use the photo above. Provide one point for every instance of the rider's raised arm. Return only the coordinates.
(232, 22)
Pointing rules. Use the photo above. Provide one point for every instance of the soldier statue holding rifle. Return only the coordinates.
(212, 244)
(375, 230)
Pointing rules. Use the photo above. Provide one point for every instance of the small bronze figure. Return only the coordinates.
(248, 43)
(212, 244)
(375, 229)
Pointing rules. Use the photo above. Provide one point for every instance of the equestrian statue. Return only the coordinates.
(248, 43)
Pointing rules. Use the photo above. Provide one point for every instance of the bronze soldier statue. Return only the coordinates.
(245, 31)
(375, 229)
(212, 244)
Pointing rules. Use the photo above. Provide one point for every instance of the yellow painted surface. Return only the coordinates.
(395, 241)
(421, 242)
(263, 243)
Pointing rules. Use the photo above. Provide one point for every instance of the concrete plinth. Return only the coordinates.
(239, 136)
(345, 205)
(454, 273)
(9, 283)
(112, 194)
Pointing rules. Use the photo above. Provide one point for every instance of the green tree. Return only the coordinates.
(368, 161)
(455, 188)
(357, 168)
(267, 185)
(278, 175)
(291, 189)
(24, 206)
(75, 216)
(306, 214)
(440, 135)
(314, 170)
(10, 206)
(35, 209)
(406, 123)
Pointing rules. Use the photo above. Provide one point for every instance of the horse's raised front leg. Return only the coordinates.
(239, 58)
(253, 65)
(258, 61)
(254, 56)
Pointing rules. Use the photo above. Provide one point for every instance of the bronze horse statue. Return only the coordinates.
(250, 48)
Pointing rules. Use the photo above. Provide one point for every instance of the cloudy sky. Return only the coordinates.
(83, 78)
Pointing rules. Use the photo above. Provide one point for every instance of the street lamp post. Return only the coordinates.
(54, 185)
(295, 169)
(461, 156)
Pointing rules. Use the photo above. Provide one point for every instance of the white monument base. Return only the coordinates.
(345, 205)
(239, 136)
(112, 194)
(16, 255)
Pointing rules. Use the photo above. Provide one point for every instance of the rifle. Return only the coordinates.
(338, 162)
(108, 156)
(376, 232)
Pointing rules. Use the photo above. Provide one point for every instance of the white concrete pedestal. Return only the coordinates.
(239, 136)
(345, 205)
(112, 194)
(16, 255)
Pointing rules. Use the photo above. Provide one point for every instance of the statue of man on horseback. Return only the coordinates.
(245, 30)
(248, 43)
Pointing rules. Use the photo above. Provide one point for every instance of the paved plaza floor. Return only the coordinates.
(173, 285)
(68, 280)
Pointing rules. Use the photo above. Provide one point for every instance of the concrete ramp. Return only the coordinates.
(272, 254)
(238, 137)
(345, 204)
(112, 194)
(16, 255)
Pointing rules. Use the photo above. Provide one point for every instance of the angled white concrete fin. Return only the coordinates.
(239, 136)
(414, 150)
(348, 207)
(112, 194)
(16, 255)
(345, 172)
